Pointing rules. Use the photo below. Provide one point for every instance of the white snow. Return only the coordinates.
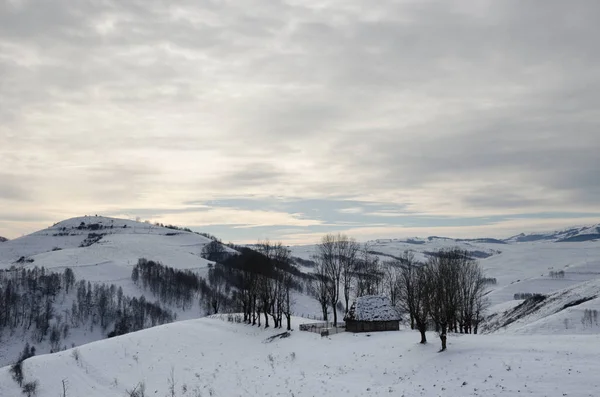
(210, 357)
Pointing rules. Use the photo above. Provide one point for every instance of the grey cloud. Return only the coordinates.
(254, 174)
(12, 188)
(374, 97)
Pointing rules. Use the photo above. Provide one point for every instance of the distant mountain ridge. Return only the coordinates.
(3, 239)
(572, 234)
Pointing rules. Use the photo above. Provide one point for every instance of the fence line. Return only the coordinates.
(321, 328)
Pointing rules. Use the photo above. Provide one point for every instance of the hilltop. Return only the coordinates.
(101, 249)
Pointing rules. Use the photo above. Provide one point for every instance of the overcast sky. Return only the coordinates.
(289, 119)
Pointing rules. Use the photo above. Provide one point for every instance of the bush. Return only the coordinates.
(525, 295)
(30, 388)
(590, 317)
(16, 370)
(138, 391)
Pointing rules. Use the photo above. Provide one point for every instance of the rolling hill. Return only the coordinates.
(102, 252)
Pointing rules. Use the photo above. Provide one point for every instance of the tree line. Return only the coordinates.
(257, 282)
(48, 304)
(260, 281)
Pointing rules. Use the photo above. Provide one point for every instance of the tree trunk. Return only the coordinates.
(266, 320)
(412, 321)
(443, 336)
(347, 299)
(288, 317)
(423, 336)
(334, 316)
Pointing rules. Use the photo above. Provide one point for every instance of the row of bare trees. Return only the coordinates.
(258, 280)
(448, 291)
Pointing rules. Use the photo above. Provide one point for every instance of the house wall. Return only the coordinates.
(372, 326)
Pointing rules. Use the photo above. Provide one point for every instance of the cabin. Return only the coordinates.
(372, 313)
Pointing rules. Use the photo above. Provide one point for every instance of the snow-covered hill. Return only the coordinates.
(210, 357)
(572, 310)
(100, 249)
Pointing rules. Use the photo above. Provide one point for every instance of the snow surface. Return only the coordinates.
(373, 308)
(210, 357)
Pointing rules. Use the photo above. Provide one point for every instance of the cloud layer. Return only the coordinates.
(292, 116)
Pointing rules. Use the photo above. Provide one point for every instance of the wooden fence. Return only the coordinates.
(324, 329)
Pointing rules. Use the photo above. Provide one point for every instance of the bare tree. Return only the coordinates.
(217, 294)
(328, 263)
(347, 252)
(391, 280)
(319, 286)
(414, 293)
(457, 292)
(443, 273)
(472, 291)
(368, 274)
(288, 301)
(337, 255)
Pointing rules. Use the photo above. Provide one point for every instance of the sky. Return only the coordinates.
(291, 119)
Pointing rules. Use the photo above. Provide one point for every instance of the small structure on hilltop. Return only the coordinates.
(372, 313)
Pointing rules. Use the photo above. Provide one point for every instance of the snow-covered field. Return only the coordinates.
(211, 357)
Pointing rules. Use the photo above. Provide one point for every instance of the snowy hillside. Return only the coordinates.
(210, 357)
(116, 244)
(101, 251)
(572, 310)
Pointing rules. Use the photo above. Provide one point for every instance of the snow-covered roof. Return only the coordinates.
(372, 308)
